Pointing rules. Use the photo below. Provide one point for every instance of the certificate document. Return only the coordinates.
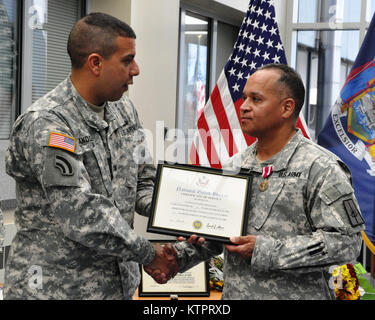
(194, 200)
(193, 282)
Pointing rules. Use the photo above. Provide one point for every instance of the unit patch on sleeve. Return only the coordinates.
(61, 168)
(354, 215)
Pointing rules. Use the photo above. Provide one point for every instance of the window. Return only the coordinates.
(370, 10)
(8, 65)
(45, 60)
(194, 60)
(30, 69)
(205, 46)
(324, 38)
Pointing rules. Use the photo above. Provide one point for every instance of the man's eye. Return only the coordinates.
(255, 99)
(244, 97)
(127, 61)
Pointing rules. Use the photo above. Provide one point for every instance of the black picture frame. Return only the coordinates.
(243, 174)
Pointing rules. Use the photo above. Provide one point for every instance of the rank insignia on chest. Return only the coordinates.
(62, 141)
(85, 139)
(266, 172)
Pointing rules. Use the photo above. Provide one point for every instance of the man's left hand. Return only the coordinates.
(244, 246)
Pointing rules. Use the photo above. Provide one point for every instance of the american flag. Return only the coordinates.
(59, 140)
(219, 135)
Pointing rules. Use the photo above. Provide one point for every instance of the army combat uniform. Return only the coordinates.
(307, 220)
(78, 183)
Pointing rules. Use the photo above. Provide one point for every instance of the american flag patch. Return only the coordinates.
(62, 141)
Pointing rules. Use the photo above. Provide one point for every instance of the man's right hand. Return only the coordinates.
(164, 266)
(193, 239)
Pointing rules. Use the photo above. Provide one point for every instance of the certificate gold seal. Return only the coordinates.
(197, 224)
(263, 185)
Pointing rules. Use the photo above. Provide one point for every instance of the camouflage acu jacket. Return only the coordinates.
(305, 222)
(78, 185)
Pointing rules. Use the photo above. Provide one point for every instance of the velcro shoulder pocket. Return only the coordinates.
(334, 192)
(60, 168)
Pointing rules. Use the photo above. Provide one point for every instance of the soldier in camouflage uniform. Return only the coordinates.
(303, 219)
(79, 180)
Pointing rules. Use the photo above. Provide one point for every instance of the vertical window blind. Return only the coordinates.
(50, 60)
(7, 65)
(50, 22)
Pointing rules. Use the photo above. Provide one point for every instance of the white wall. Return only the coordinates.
(280, 8)
(154, 92)
(155, 89)
(156, 24)
(120, 9)
(281, 14)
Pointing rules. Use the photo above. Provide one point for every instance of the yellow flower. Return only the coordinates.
(336, 272)
(346, 283)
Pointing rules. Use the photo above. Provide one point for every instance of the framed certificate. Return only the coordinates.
(190, 200)
(192, 283)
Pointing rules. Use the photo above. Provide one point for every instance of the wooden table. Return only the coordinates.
(214, 295)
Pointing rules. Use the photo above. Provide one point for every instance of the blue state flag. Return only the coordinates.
(350, 130)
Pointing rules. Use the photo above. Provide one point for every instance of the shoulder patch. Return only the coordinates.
(61, 168)
(62, 141)
(354, 215)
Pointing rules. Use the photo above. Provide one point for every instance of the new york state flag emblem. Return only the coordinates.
(354, 113)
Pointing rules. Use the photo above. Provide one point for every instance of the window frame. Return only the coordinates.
(292, 27)
(221, 14)
(25, 92)
(17, 71)
(181, 57)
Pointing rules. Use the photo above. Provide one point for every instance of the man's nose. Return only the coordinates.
(135, 69)
(245, 106)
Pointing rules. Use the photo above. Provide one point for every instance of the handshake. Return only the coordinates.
(164, 266)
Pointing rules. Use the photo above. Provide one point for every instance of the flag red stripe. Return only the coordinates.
(302, 127)
(207, 142)
(237, 105)
(194, 157)
(249, 140)
(222, 119)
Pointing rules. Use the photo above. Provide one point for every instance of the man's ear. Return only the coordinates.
(288, 108)
(95, 62)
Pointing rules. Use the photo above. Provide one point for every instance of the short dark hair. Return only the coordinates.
(95, 33)
(292, 82)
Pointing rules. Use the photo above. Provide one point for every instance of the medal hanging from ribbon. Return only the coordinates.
(266, 172)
